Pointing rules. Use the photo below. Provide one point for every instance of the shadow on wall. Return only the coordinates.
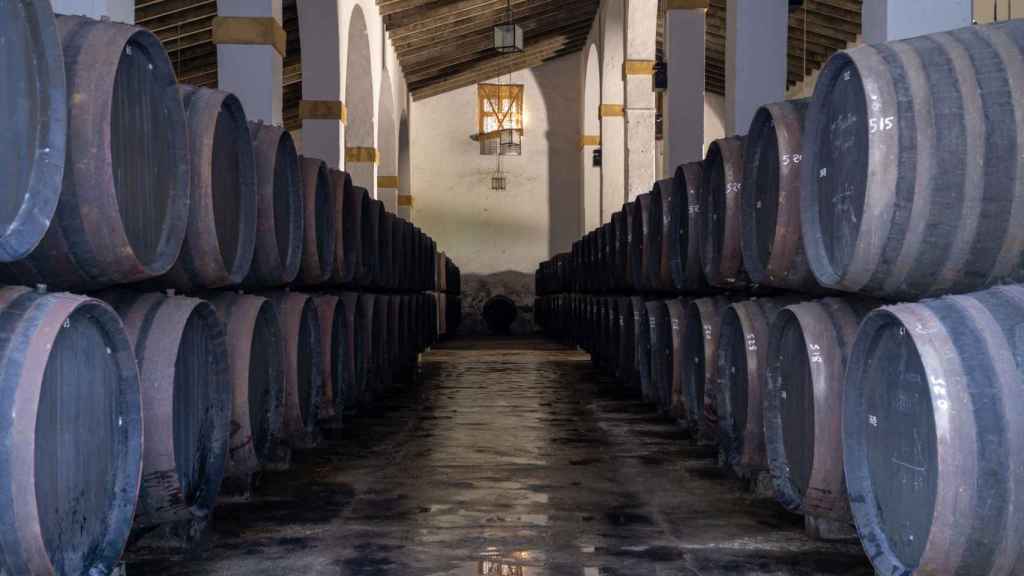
(477, 289)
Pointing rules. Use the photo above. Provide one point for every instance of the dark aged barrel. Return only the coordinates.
(332, 352)
(365, 367)
(807, 352)
(913, 164)
(742, 359)
(660, 335)
(399, 256)
(221, 234)
(700, 347)
(71, 460)
(773, 252)
(339, 182)
(656, 253)
(34, 124)
(627, 373)
(370, 243)
(613, 333)
(642, 340)
(620, 247)
(386, 251)
(124, 201)
(721, 254)
(933, 435)
(382, 342)
(256, 363)
(319, 226)
(642, 236)
(353, 203)
(186, 405)
(685, 229)
(346, 365)
(280, 217)
(300, 327)
(677, 324)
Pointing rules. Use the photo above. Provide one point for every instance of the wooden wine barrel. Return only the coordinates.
(638, 214)
(370, 243)
(721, 253)
(280, 212)
(700, 380)
(620, 246)
(612, 333)
(256, 362)
(332, 352)
(663, 204)
(300, 328)
(186, 405)
(386, 251)
(660, 342)
(221, 233)
(807, 352)
(773, 251)
(742, 361)
(627, 373)
(642, 341)
(365, 364)
(685, 229)
(34, 124)
(933, 437)
(67, 498)
(319, 225)
(354, 202)
(677, 308)
(382, 349)
(912, 165)
(124, 202)
(399, 256)
(345, 366)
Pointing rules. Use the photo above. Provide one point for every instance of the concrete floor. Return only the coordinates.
(511, 459)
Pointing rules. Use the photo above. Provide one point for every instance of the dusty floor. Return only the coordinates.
(511, 459)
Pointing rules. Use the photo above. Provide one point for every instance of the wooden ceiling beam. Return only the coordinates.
(387, 7)
(483, 21)
(448, 13)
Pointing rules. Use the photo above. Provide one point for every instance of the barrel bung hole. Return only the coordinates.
(81, 438)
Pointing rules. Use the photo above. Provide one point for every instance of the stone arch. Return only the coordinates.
(590, 138)
(361, 153)
(387, 143)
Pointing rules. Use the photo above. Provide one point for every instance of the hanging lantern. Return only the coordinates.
(498, 181)
(508, 38)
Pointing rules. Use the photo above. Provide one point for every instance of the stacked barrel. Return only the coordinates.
(241, 298)
(753, 297)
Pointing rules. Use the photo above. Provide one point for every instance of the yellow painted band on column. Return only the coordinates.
(252, 30)
(323, 110)
(590, 140)
(405, 199)
(362, 155)
(638, 68)
(611, 110)
(687, 4)
(387, 181)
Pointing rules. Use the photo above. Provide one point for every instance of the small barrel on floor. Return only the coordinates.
(71, 417)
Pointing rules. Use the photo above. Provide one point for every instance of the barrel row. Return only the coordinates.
(224, 389)
(147, 181)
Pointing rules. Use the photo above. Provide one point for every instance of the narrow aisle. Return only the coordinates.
(514, 454)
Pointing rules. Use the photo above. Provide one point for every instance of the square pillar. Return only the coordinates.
(322, 108)
(250, 53)
(887, 20)
(638, 72)
(755, 67)
(684, 101)
(613, 160)
(116, 10)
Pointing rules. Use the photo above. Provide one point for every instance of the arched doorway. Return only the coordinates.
(361, 155)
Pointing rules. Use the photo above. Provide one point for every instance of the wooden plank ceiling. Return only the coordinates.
(446, 44)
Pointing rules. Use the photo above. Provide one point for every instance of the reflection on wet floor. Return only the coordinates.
(510, 459)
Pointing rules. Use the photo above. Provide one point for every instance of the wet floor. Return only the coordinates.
(507, 459)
